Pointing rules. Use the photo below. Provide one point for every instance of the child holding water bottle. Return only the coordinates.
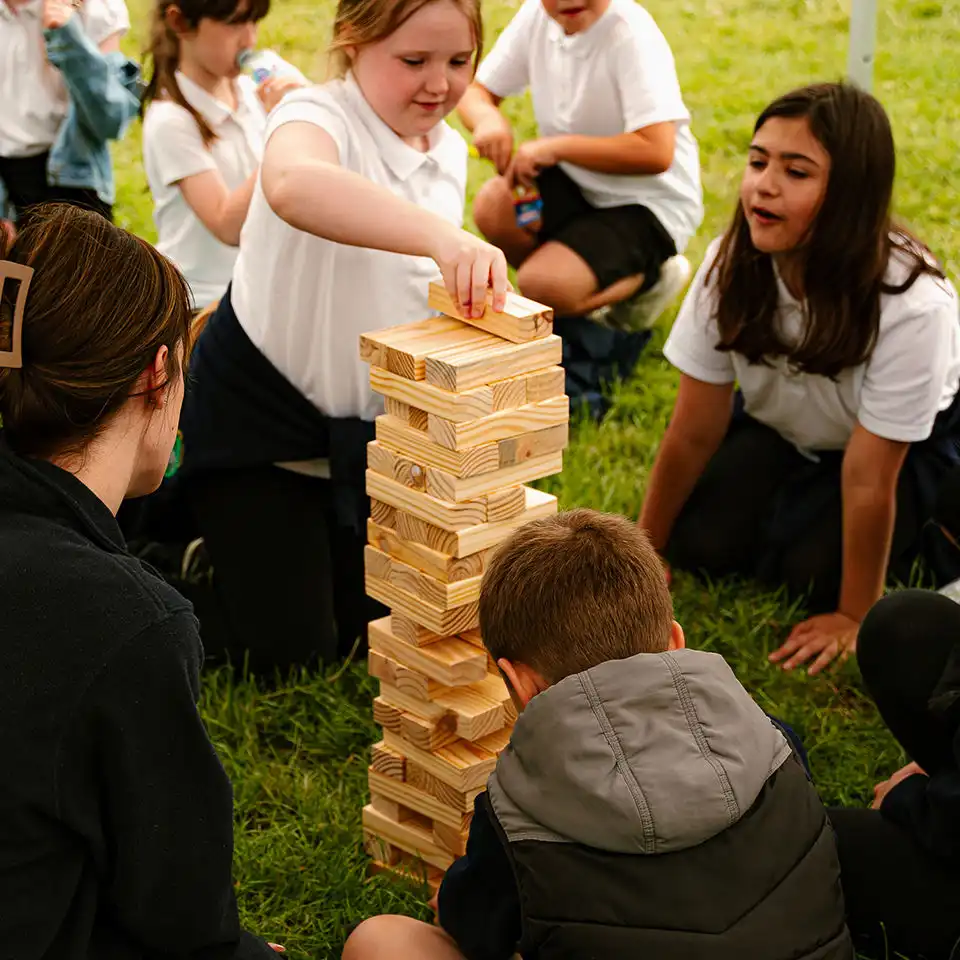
(203, 131)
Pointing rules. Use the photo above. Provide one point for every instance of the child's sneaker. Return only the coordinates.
(641, 311)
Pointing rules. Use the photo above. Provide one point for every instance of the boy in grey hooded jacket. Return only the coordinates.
(645, 806)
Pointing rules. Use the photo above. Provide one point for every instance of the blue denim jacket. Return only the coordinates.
(104, 92)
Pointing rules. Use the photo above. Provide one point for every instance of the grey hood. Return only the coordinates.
(652, 754)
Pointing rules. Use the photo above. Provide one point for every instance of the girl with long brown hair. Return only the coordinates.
(203, 131)
(116, 829)
(842, 334)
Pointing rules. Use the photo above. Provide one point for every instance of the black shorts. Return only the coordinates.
(615, 242)
(27, 185)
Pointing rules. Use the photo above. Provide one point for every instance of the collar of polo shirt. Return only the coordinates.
(582, 44)
(214, 111)
(402, 159)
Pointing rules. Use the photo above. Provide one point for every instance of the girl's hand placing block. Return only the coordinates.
(470, 266)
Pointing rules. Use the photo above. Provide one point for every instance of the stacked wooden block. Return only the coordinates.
(474, 410)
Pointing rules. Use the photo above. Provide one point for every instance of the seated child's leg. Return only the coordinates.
(494, 216)
(399, 938)
(905, 644)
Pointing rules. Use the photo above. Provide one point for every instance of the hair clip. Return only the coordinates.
(11, 332)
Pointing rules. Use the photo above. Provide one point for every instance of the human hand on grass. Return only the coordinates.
(493, 140)
(530, 158)
(884, 787)
(826, 637)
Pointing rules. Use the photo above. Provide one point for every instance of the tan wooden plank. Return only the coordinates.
(451, 661)
(391, 671)
(436, 592)
(396, 408)
(409, 836)
(472, 636)
(499, 426)
(508, 394)
(413, 798)
(382, 513)
(440, 565)
(409, 869)
(471, 365)
(387, 763)
(505, 504)
(474, 711)
(387, 807)
(446, 514)
(531, 446)
(387, 716)
(427, 709)
(451, 797)
(400, 469)
(382, 851)
(409, 631)
(451, 839)
(417, 445)
(546, 383)
(462, 543)
(468, 405)
(463, 765)
(374, 345)
(520, 320)
(428, 734)
(446, 486)
(443, 622)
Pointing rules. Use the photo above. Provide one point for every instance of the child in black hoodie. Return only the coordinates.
(115, 814)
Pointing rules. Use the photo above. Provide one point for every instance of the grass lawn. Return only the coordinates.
(298, 754)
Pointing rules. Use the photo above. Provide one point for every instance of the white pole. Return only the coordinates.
(863, 39)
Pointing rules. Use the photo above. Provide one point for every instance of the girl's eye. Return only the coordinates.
(460, 61)
(757, 164)
(798, 174)
(412, 61)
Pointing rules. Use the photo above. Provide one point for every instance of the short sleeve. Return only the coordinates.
(104, 18)
(692, 344)
(647, 78)
(906, 377)
(505, 71)
(172, 145)
(305, 106)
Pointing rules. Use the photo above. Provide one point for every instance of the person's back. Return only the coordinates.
(645, 804)
(115, 813)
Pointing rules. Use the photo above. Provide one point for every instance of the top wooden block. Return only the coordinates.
(520, 321)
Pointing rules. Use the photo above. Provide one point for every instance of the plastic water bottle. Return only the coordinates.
(263, 64)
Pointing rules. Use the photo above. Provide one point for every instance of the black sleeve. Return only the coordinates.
(479, 905)
(140, 781)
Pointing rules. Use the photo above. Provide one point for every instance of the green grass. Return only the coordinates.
(297, 755)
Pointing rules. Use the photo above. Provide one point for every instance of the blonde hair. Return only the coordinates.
(362, 22)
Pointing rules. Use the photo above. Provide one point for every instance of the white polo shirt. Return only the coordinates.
(33, 98)
(912, 374)
(303, 300)
(173, 150)
(615, 77)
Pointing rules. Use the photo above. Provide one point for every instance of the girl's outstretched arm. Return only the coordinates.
(697, 427)
(305, 185)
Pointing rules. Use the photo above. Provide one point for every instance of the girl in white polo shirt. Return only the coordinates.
(843, 336)
(358, 205)
(203, 131)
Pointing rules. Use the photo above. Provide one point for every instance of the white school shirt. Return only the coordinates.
(912, 374)
(303, 300)
(615, 77)
(33, 97)
(173, 150)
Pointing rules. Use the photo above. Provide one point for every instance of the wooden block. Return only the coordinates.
(438, 593)
(443, 622)
(468, 405)
(440, 565)
(446, 514)
(386, 716)
(397, 468)
(531, 446)
(409, 631)
(460, 801)
(389, 808)
(520, 320)
(411, 682)
(410, 835)
(445, 486)
(472, 636)
(451, 661)
(505, 504)
(428, 734)
(415, 444)
(381, 850)
(473, 711)
(472, 365)
(403, 350)
(416, 706)
(413, 416)
(510, 393)
(463, 764)
(462, 543)
(413, 798)
(499, 426)
(409, 869)
(546, 383)
(450, 838)
(382, 513)
(387, 763)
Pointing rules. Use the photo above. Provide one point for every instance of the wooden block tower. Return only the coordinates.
(474, 410)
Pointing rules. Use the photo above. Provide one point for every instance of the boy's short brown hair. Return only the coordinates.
(568, 592)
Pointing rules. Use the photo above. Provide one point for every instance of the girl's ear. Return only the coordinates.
(175, 20)
(157, 380)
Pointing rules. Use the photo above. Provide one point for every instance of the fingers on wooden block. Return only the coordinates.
(520, 320)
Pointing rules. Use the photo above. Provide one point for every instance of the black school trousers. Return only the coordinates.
(902, 890)
(27, 185)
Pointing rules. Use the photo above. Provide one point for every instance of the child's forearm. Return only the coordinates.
(868, 521)
(476, 104)
(642, 152)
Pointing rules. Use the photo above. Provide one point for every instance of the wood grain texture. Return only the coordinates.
(471, 365)
(388, 763)
(409, 631)
(388, 464)
(444, 622)
(440, 565)
(436, 592)
(472, 711)
(383, 513)
(428, 734)
(544, 384)
(451, 839)
(413, 798)
(530, 446)
(446, 486)
(417, 445)
(505, 504)
(409, 835)
(463, 765)
(425, 396)
(451, 661)
(459, 800)
(499, 426)
(520, 320)
(446, 514)
(391, 671)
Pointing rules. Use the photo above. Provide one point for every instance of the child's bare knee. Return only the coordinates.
(391, 937)
(370, 939)
(493, 208)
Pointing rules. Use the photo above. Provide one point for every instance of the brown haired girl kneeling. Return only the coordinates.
(841, 332)
(116, 816)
